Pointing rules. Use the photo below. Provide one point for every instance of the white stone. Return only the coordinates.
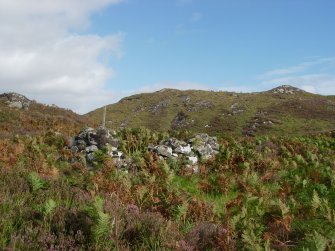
(194, 160)
(92, 148)
(15, 104)
(183, 149)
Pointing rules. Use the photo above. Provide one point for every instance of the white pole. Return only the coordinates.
(104, 118)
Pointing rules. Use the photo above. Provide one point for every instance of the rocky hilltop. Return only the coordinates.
(286, 89)
(22, 116)
(282, 110)
(15, 100)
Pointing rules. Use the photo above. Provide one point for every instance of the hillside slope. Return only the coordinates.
(282, 110)
(21, 116)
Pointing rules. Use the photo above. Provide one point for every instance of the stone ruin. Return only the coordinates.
(90, 140)
(201, 146)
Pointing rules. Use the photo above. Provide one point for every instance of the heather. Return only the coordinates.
(262, 193)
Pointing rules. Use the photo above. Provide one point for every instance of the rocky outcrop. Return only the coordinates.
(200, 105)
(185, 99)
(158, 108)
(180, 121)
(15, 100)
(286, 89)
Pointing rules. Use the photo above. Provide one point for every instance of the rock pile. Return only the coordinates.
(201, 146)
(15, 100)
(90, 140)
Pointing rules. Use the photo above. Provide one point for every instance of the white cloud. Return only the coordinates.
(315, 83)
(304, 66)
(315, 76)
(43, 56)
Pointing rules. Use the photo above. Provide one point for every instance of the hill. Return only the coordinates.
(137, 189)
(282, 110)
(21, 116)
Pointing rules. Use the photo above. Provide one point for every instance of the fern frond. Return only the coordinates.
(102, 227)
(328, 212)
(36, 183)
(250, 240)
(319, 241)
(316, 201)
(102, 221)
(49, 207)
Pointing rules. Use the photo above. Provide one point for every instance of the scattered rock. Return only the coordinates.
(258, 121)
(180, 121)
(235, 109)
(203, 104)
(92, 148)
(156, 109)
(164, 151)
(139, 108)
(185, 98)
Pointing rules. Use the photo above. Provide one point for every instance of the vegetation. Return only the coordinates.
(38, 119)
(262, 193)
(223, 113)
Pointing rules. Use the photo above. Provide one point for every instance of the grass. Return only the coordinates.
(297, 114)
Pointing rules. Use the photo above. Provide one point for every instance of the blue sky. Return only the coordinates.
(82, 54)
(220, 44)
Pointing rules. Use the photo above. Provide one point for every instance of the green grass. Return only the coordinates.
(298, 114)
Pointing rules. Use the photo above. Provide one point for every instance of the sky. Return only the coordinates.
(83, 54)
